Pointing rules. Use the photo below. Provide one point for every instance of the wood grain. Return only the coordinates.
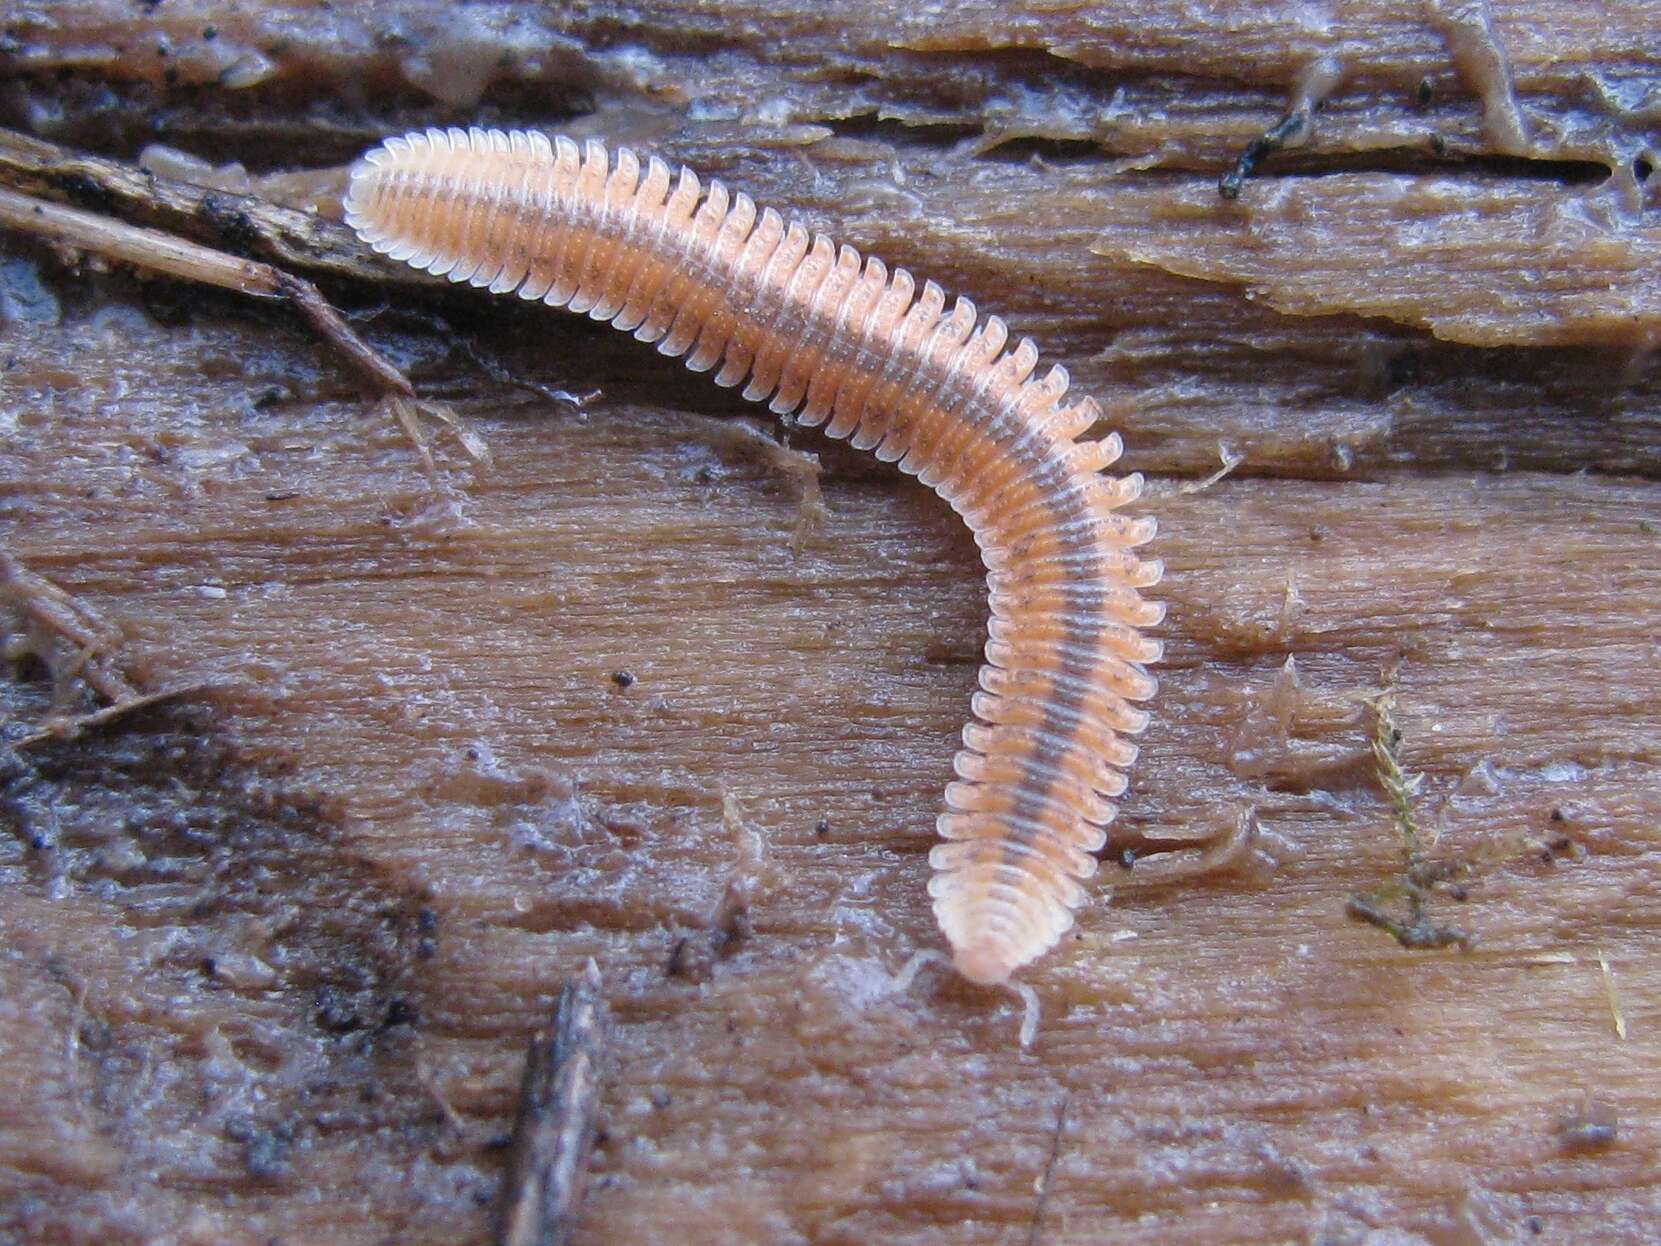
(269, 962)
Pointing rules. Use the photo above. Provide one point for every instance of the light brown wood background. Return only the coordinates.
(269, 958)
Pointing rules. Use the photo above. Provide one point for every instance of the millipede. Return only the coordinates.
(833, 339)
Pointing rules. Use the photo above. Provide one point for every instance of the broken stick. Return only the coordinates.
(191, 261)
(555, 1128)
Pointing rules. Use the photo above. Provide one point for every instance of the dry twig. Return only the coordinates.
(800, 467)
(71, 726)
(28, 168)
(190, 261)
(555, 1129)
(241, 224)
(1037, 1222)
(1229, 460)
(54, 620)
(75, 644)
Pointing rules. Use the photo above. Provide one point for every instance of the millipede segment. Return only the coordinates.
(818, 332)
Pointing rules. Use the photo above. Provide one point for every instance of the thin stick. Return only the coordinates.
(555, 1129)
(190, 261)
(71, 727)
(59, 616)
(296, 240)
(1049, 1170)
(56, 620)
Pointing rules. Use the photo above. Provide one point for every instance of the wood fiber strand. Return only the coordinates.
(838, 340)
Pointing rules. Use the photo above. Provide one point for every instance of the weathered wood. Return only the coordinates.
(763, 93)
(269, 962)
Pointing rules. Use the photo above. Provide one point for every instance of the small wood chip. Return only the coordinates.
(552, 1138)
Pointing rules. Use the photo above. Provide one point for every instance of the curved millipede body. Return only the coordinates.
(841, 341)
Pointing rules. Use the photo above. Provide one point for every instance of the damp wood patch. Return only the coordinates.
(271, 957)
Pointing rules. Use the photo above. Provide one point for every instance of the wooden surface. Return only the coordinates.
(270, 955)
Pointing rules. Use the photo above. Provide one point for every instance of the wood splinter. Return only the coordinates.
(554, 1132)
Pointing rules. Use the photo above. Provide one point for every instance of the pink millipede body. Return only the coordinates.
(841, 341)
